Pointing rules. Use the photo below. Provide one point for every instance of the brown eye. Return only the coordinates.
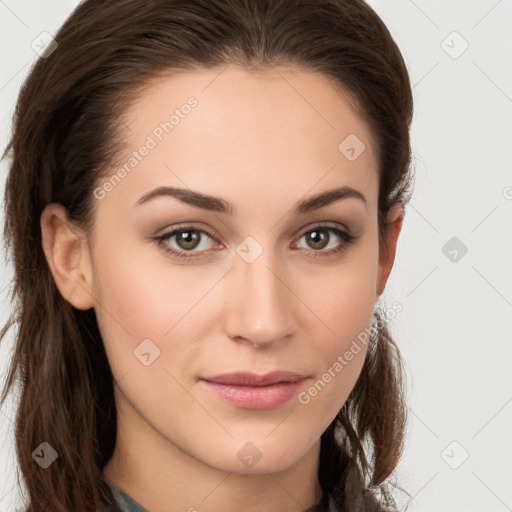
(317, 239)
(325, 240)
(186, 242)
(188, 239)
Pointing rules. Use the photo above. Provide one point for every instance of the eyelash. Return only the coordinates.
(348, 240)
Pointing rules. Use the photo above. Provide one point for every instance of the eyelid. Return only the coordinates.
(168, 232)
(321, 224)
(173, 231)
(192, 225)
(343, 233)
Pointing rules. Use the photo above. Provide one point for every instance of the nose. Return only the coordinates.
(261, 305)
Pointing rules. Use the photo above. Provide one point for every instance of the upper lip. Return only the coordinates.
(252, 379)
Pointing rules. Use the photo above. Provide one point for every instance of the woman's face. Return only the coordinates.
(259, 279)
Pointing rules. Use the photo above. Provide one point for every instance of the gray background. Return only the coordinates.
(454, 330)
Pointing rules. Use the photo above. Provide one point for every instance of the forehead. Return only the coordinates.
(282, 127)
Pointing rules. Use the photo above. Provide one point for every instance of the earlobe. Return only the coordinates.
(67, 255)
(395, 220)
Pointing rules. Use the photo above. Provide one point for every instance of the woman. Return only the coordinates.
(203, 207)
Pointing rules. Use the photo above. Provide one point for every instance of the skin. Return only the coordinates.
(261, 141)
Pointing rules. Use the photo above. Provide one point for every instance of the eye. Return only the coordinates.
(190, 242)
(187, 238)
(321, 237)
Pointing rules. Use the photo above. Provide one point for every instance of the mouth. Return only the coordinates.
(251, 391)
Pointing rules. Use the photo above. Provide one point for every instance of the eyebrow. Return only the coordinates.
(217, 204)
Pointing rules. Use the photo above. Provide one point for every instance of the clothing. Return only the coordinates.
(126, 503)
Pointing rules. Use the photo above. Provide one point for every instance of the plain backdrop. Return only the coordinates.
(453, 269)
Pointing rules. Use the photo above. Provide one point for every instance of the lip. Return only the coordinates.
(251, 391)
(253, 379)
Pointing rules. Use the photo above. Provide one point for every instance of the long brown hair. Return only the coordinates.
(67, 134)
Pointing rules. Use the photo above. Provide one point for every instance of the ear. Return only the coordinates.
(395, 219)
(66, 251)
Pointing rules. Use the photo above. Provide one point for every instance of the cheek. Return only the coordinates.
(130, 301)
(344, 305)
(341, 353)
(138, 295)
(141, 299)
(343, 297)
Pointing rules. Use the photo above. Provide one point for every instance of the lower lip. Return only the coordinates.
(256, 397)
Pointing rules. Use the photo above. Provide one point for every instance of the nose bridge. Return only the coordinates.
(261, 305)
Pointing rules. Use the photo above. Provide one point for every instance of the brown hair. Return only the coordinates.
(67, 133)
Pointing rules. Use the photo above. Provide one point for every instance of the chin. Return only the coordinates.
(252, 458)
